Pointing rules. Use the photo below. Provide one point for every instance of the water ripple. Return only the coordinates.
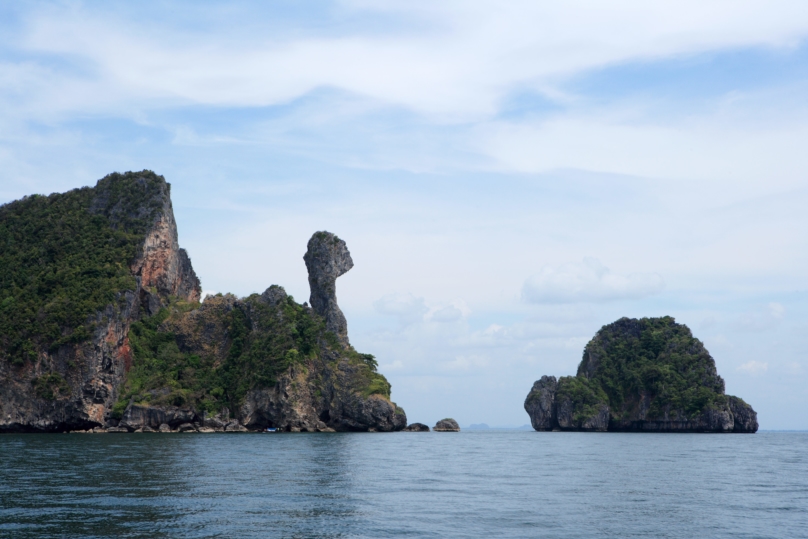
(471, 484)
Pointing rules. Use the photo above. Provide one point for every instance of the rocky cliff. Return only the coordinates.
(263, 361)
(640, 375)
(102, 327)
(77, 269)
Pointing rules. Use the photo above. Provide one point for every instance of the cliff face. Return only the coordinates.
(101, 325)
(261, 361)
(640, 375)
(161, 267)
(47, 384)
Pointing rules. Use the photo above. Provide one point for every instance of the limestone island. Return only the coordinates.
(101, 328)
(640, 375)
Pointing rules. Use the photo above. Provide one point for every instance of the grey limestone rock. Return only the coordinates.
(274, 295)
(218, 421)
(540, 403)
(332, 389)
(446, 425)
(327, 257)
(568, 419)
(294, 403)
(743, 416)
(163, 267)
(417, 427)
(235, 426)
(136, 416)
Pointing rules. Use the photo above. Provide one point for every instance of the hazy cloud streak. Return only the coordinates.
(589, 281)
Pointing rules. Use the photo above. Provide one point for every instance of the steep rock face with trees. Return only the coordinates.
(263, 361)
(101, 325)
(76, 270)
(640, 375)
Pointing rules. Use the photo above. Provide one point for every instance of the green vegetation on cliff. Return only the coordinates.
(655, 357)
(98, 310)
(209, 356)
(649, 374)
(66, 256)
(585, 395)
(215, 377)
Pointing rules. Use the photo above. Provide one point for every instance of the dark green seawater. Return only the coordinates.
(471, 484)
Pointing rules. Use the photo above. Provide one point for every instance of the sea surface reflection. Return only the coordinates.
(468, 484)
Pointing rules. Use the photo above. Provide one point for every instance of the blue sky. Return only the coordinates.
(508, 178)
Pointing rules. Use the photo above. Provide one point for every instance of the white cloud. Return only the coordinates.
(406, 307)
(454, 63)
(708, 322)
(449, 60)
(467, 362)
(726, 143)
(761, 319)
(754, 367)
(452, 312)
(449, 313)
(589, 281)
(793, 367)
(776, 310)
(409, 309)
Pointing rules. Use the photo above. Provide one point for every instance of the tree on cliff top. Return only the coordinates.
(655, 357)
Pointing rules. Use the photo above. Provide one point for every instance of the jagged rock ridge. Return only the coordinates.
(640, 375)
(264, 361)
(153, 357)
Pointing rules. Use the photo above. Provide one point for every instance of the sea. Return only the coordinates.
(484, 483)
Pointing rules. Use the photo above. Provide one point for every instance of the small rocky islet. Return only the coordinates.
(416, 427)
(446, 425)
(640, 375)
(102, 330)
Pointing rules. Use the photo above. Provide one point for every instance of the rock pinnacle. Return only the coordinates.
(327, 257)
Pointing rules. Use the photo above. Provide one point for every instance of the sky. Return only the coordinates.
(509, 177)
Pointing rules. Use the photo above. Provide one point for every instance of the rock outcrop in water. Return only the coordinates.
(640, 375)
(139, 352)
(446, 425)
(417, 427)
(541, 405)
